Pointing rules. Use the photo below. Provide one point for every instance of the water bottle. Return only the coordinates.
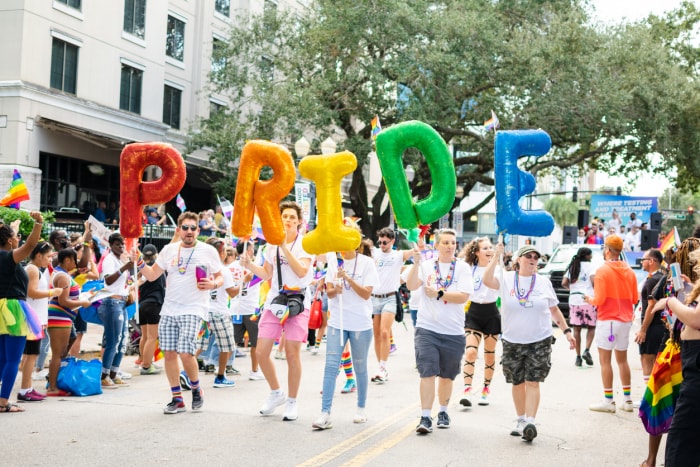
(676, 277)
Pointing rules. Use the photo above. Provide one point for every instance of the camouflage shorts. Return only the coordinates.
(527, 362)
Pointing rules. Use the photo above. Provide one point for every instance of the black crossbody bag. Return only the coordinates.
(291, 302)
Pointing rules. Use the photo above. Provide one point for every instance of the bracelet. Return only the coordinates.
(567, 330)
(38, 223)
(87, 244)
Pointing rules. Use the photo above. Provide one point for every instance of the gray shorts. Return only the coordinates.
(438, 354)
(527, 362)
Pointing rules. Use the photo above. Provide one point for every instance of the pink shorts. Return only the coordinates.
(295, 329)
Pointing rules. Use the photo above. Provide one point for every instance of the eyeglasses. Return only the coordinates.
(384, 242)
(531, 256)
(188, 227)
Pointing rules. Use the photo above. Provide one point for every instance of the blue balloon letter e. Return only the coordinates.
(513, 183)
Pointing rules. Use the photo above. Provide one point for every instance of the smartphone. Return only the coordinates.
(201, 273)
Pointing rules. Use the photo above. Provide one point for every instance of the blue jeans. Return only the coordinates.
(112, 312)
(359, 348)
(11, 348)
(44, 348)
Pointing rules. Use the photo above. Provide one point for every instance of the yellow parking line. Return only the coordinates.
(356, 440)
(381, 447)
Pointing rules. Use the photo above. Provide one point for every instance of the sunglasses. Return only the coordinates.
(531, 256)
(645, 259)
(384, 242)
(188, 227)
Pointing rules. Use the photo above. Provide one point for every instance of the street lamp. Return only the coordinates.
(328, 146)
(302, 147)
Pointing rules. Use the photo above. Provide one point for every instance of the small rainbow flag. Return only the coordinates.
(180, 203)
(17, 193)
(671, 240)
(492, 123)
(376, 126)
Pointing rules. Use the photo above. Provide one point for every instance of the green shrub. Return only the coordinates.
(9, 215)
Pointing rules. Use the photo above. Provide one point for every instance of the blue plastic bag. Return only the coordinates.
(80, 377)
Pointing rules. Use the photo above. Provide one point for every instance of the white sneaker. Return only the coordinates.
(628, 406)
(256, 376)
(603, 406)
(637, 404)
(40, 376)
(360, 416)
(519, 426)
(291, 411)
(272, 402)
(280, 355)
(381, 377)
(323, 422)
(123, 374)
(314, 351)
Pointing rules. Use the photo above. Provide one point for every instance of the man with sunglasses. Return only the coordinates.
(194, 269)
(389, 263)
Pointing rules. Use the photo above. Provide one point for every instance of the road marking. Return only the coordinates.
(353, 442)
(382, 447)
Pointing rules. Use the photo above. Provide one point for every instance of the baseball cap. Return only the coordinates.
(528, 249)
(149, 250)
(614, 242)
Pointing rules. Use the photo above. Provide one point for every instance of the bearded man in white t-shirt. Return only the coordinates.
(194, 269)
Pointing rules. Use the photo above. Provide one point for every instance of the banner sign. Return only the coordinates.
(602, 207)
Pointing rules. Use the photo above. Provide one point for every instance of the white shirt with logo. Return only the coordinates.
(436, 315)
(389, 269)
(532, 321)
(356, 312)
(289, 277)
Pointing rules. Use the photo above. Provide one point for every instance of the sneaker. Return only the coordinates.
(185, 381)
(223, 382)
(637, 404)
(175, 406)
(466, 399)
(240, 354)
(256, 376)
(323, 422)
(279, 355)
(392, 348)
(628, 406)
(209, 368)
(519, 426)
(603, 406)
(529, 432)
(123, 374)
(151, 370)
(360, 416)
(119, 382)
(197, 399)
(31, 396)
(578, 362)
(291, 411)
(587, 358)
(443, 420)
(272, 402)
(314, 351)
(232, 371)
(381, 377)
(40, 376)
(425, 426)
(350, 386)
(107, 383)
(484, 399)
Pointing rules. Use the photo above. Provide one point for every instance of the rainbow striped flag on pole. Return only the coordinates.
(17, 193)
(671, 240)
(492, 123)
(376, 126)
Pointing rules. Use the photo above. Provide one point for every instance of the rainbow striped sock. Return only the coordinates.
(177, 393)
(318, 341)
(608, 394)
(194, 385)
(626, 390)
(346, 365)
(391, 340)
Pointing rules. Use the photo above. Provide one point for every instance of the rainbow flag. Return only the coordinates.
(671, 240)
(492, 123)
(180, 203)
(376, 126)
(17, 193)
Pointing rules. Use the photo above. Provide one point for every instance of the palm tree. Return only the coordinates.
(563, 210)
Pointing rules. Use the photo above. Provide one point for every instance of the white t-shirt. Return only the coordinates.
(219, 297)
(389, 269)
(357, 312)
(248, 299)
(482, 294)
(182, 297)
(414, 299)
(289, 277)
(41, 305)
(584, 284)
(110, 265)
(530, 323)
(436, 315)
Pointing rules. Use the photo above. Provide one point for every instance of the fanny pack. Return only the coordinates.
(287, 304)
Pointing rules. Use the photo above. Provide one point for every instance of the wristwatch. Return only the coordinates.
(440, 294)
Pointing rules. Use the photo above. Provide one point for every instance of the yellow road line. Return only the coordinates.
(356, 440)
(379, 448)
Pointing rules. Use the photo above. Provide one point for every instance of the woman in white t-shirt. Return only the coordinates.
(528, 307)
(350, 320)
(481, 320)
(296, 274)
(578, 278)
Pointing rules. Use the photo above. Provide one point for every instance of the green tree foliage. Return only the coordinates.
(9, 215)
(609, 97)
(680, 204)
(563, 210)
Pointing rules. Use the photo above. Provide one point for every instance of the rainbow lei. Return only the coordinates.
(522, 299)
(444, 284)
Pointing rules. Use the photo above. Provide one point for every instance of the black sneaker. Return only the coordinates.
(175, 406)
(425, 426)
(443, 420)
(578, 361)
(587, 358)
(529, 432)
(197, 399)
(209, 368)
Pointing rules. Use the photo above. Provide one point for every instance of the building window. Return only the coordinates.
(269, 13)
(130, 92)
(215, 108)
(135, 18)
(223, 7)
(175, 40)
(64, 66)
(218, 62)
(171, 106)
(71, 3)
(267, 69)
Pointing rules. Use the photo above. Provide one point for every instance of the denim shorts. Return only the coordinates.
(438, 354)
